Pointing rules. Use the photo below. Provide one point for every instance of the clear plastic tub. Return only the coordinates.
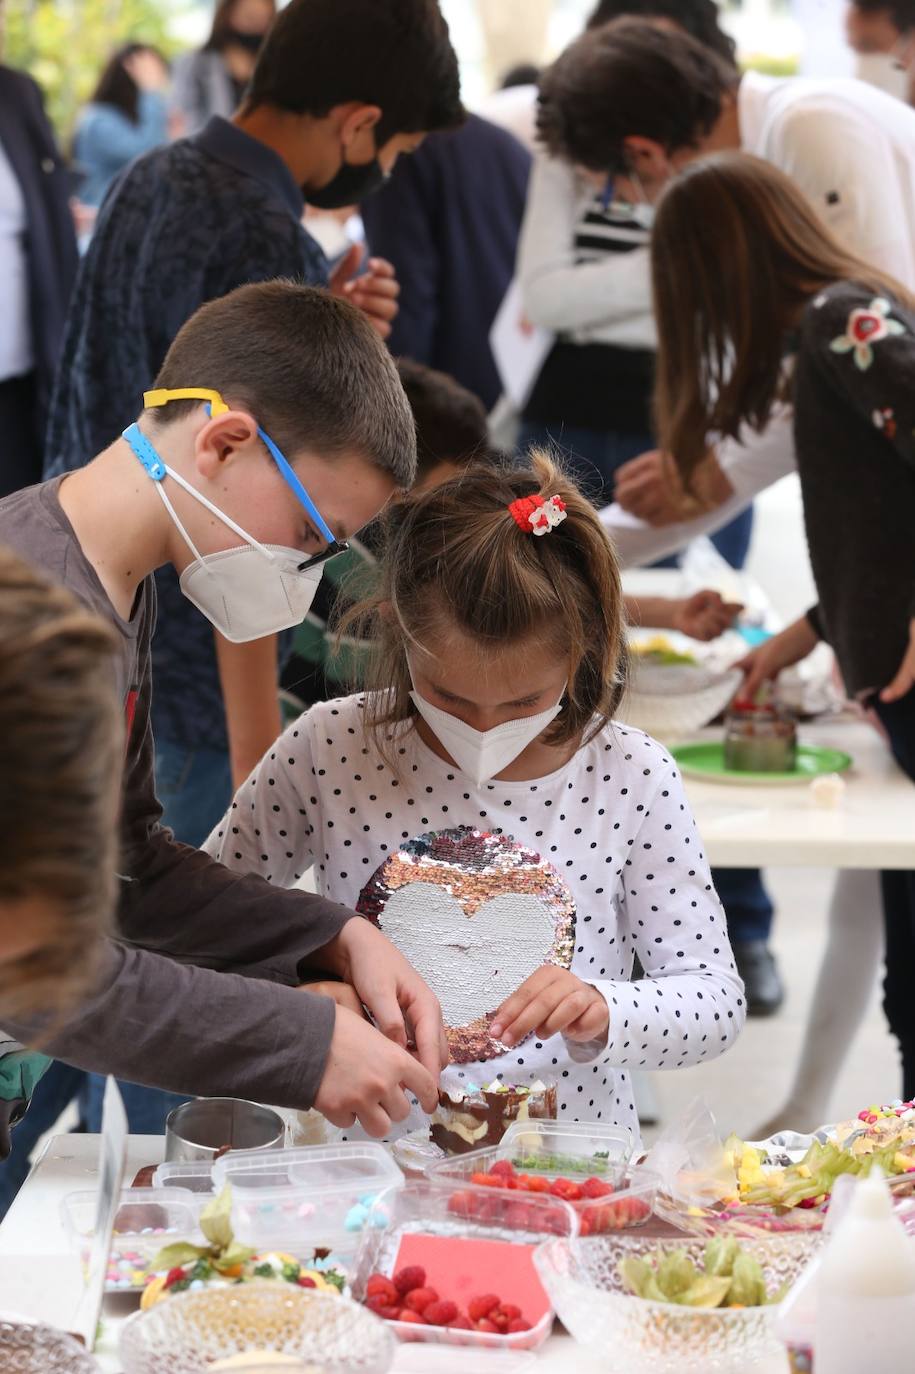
(431, 1208)
(195, 1176)
(145, 1222)
(588, 1159)
(299, 1201)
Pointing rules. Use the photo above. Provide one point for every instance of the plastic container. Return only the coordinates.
(574, 1152)
(145, 1222)
(317, 1197)
(433, 1208)
(866, 1288)
(195, 1176)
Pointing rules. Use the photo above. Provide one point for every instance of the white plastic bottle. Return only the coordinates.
(866, 1289)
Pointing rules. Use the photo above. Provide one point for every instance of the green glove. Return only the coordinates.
(20, 1071)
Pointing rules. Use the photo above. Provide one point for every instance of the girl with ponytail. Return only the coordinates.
(479, 801)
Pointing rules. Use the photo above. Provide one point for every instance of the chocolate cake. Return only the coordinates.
(479, 1117)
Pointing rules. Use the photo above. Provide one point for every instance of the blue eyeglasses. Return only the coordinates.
(217, 406)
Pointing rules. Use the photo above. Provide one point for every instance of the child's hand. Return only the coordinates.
(551, 1001)
(343, 994)
(904, 680)
(705, 615)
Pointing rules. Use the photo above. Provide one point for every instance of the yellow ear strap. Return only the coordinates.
(151, 399)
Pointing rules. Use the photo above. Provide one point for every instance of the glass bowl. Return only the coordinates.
(191, 1331)
(635, 1336)
(28, 1349)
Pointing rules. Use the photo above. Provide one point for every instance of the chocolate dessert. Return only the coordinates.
(760, 739)
(479, 1117)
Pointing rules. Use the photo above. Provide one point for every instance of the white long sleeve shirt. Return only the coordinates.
(613, 822)
(851, 150)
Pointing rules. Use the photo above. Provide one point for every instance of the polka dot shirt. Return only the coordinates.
(615, 824)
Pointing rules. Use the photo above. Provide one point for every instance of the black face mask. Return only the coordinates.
(251, 42)
(351, 186)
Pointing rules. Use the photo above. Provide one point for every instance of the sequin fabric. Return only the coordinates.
(476, 913)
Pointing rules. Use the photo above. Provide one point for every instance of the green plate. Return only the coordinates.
(705, 759)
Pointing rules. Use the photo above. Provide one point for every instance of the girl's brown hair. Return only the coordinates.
(737, 252)
(61, 750)
(455, 559)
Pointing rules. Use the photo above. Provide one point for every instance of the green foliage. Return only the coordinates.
(771, 66)
(64, 44)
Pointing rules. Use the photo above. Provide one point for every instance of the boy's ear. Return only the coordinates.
(358, 121)
(221, 438)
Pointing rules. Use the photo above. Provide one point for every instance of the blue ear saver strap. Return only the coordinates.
(144, 450)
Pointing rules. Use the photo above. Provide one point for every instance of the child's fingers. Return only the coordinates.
(593, 1025)
(572, 1006)
(520, 1001)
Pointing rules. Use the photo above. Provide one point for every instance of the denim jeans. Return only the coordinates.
(594, 456)
(898, 890)
(194, 787)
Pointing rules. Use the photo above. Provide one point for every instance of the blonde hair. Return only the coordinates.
(61, 751)
(455, 559)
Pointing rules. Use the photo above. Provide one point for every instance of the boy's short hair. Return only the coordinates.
(699, 18)
(392, 53)
(310, 368)
(630, 77)
(901, 12)
(450, 420)
(61, 752)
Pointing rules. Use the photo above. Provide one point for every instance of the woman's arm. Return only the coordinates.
(269, 826)
(559, 293)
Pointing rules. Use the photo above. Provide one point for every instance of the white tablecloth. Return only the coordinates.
(40, 1277)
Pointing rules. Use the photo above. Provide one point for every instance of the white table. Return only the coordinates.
(764, 826)
(40, 1279)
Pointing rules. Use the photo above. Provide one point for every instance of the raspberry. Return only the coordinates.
(498, 1319)
(519, 1324)
(441, 1313)
(460, 1323)
(420, 1298)
(174, 1275)
(462, 1204)
(481, 1307)
(389, 1311)
(509, 1310)
(405, 1280)
(503, 1168)
(379, 1285)
(408, 1315)
(484, 1324)
(537, 1183)
(595, 1187)
(486, 1180)
(566, 1189)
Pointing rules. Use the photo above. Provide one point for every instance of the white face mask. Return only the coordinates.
(482, 754)
(246, 593)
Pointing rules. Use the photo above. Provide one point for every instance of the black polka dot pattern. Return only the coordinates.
(613, 821)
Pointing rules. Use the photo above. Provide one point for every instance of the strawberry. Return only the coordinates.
(441, 1313)
(420, 1298)
(596, 1187)
(380, 1286)
(460, 1323)
(407, 1314)
(405, 1280)
(566, 1189)
(518, 1324)
(503, 1168)
(538, 1183)
(389, 1311)
(484, 1324)
(174, 1275)
(305, 1282)
(481, 1307)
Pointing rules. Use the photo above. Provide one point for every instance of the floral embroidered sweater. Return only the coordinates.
(854, 424)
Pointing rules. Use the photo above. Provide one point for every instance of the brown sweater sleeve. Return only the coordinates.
(190, 1030)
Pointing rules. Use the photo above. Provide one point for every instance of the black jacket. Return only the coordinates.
(28, 142)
